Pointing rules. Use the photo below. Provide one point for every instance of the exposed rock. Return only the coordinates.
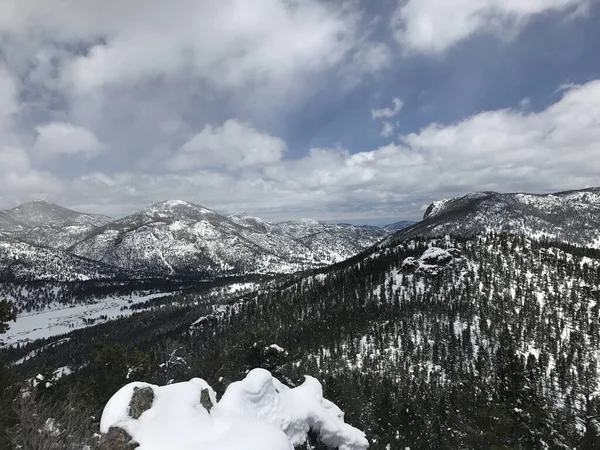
(436, 256)
(141, 400)
(205, 400)
(431, 261)
(456, 253)
(410, 264)
(117, 439)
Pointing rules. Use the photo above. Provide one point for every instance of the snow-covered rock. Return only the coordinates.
(255, 413)
(431, 261)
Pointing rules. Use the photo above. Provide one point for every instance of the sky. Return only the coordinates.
(338, 110)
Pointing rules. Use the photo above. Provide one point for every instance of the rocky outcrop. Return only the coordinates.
(431, 261)
(141, 401)
(117, 439)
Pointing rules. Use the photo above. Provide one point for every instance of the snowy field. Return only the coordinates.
(47, 323)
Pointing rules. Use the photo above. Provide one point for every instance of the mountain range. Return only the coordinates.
(170, 238)
(477, 327)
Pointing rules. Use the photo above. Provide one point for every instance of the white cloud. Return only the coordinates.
(8, 98)
(60, 138)
(233, 145)
(433, 26)
(506, 150)
(225, 43)
(387, 130)
(19, 181)
(388, 112)
(369, 59)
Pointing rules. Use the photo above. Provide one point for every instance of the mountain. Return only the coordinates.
(25, 262)
(490, 341)
(180, 238)
(459, 332)
(8, 223)
(177, 237)
(45, 224)
(46, 214)
(570, 216)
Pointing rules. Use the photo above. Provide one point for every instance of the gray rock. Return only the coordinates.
(205, 400)
(141, 401)
(117, 439)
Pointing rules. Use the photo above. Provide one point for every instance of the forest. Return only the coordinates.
(496, 347)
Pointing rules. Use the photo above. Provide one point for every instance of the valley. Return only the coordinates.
(477, 327)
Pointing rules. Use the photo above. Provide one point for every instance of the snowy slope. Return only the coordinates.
(177, 237)
(22, 261)
(48, 225)
(572, 216)
(43, 213)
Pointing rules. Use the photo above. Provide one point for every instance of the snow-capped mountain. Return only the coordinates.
(45, 224)
(176, 237)
(570, 216)
(46, 214)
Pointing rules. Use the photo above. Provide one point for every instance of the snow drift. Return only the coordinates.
(257, 413)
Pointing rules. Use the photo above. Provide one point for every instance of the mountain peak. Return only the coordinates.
(176, 210)
(569, 216)
(44, 213)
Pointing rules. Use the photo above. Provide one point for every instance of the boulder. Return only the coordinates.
(117, 439)
(141, 400)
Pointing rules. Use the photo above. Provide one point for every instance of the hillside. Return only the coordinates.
(571, 216)
(476, 343)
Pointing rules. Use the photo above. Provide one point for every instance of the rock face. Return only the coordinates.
(117, 439)
(141, 401)
(431, 261)
(205, 400)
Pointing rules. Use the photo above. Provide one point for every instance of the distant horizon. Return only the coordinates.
(379, 221)
(279, 216)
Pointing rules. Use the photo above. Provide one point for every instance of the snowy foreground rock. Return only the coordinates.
(257, 413)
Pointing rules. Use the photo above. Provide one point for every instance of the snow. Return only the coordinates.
(256, 413)
(48, 323)
(277, 348)
(437, 206)
(435, 253)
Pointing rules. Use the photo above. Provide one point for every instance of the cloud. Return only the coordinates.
(234, 145)
(506, 150)
(145, 79)
(225, 43)
(8, 98)
(388, 112)
(60, 138)
(370, 58)
(19, 181)
(433, 26)
(388, 130)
